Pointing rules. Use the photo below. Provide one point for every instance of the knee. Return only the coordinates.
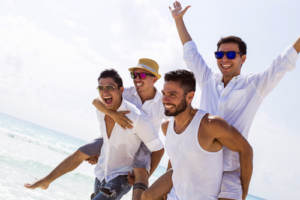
(79, 156)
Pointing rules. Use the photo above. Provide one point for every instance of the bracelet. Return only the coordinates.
(141, 186)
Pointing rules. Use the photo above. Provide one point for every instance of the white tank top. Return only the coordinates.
(197, 173)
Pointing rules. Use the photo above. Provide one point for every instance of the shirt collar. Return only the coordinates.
(234, 79)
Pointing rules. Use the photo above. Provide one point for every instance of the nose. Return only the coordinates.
(165, 99)
(224, 59)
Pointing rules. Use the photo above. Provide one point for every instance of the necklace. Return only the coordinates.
(183, 127)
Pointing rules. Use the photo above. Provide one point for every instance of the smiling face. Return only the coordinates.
(110, 93)
(230, 67)
(145, 84)
(174, 98)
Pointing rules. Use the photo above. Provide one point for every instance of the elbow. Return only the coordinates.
(94, 102)
(247, 153)
(161, 152)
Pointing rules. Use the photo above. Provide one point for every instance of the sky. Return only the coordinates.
(51, 54)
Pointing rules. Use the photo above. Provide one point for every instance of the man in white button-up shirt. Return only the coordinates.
(146, 97)
(229, 94)
(119, 145)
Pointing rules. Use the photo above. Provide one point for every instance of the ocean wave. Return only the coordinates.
(50, 143)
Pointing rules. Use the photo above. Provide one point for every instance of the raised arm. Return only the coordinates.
(285, 62)
(177, 14)
(192, 57)
(119, 117)
(229, 137)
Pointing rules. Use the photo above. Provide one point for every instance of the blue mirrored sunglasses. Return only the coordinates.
(229, 54)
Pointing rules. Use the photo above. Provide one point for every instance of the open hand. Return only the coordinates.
(121, 119)
(177, 12)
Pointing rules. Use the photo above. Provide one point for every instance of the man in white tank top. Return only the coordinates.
(194, 144)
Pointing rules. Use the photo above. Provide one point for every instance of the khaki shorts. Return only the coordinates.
(231, 187)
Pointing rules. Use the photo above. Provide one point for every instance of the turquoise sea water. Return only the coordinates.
(29, 151)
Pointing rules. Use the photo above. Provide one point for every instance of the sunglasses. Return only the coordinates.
(141, 75)
(109, 88)
(229, 54)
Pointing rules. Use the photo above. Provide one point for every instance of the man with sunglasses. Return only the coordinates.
(232, 96)
(120, 145)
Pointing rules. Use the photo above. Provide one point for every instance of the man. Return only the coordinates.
(232, 96)
(194, 144)
(146, 97)
(119, 145)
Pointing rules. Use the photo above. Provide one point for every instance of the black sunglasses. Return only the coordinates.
(229, 54)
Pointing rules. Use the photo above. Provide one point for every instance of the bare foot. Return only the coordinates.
(43, 184)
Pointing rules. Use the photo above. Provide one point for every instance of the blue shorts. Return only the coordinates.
(115, 189)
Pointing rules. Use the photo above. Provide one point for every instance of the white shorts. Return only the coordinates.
(231, 187)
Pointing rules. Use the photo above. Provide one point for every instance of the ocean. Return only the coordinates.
(29, 152)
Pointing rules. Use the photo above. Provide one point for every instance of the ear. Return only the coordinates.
(190, 96)
(244, 58)
(155, 79)
(121, 89)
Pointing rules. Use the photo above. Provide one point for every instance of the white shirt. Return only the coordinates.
(118, 151)
(238, 102)
(153, 107)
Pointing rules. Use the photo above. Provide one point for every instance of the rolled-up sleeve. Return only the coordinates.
(268, 79)
(147, 134)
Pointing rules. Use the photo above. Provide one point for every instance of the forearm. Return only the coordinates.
(297, 45)
(246, 163)
(159, 188)
(182, 31)
(101, 107)
(140, 177)
(155, 159)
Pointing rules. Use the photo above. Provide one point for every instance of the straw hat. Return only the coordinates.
(147, 64)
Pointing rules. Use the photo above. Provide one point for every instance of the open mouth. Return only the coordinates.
(107, 100)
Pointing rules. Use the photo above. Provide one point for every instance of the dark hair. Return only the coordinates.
(234, 39)
(111, 73)
(185, 78)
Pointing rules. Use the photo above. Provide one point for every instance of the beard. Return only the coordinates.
(179, 109)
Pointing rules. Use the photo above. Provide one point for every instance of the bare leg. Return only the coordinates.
(160, 188)
(67, 165)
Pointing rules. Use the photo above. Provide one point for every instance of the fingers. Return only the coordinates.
(185, 9)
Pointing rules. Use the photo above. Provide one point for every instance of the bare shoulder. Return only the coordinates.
(164, 127)
(213, 122)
